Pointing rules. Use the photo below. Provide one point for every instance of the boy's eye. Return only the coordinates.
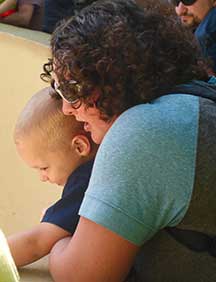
(43, 168)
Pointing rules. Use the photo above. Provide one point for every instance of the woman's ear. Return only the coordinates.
(94, 97)
(81, 145)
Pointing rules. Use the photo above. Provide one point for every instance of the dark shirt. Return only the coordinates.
(206, 35)
(64, 213)
(80, 4)
(54, 11)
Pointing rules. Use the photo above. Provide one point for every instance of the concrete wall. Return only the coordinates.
(22, 195)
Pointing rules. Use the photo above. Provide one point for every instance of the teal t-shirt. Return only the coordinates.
(143, 175)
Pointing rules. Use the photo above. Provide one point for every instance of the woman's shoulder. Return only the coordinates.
(174, 111)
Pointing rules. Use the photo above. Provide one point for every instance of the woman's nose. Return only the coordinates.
(67, 109)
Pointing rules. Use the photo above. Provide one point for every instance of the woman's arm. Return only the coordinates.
(93, 254)
(29, 246)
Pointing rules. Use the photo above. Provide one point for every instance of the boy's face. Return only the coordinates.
(53, 166)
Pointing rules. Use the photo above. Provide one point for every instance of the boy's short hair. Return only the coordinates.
(42, 114)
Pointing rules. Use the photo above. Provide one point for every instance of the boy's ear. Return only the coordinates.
(81, 145)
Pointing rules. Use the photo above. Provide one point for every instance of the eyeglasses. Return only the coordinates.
(185, 2)
(75, 103)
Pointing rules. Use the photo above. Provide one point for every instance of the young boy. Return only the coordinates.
(62, 152)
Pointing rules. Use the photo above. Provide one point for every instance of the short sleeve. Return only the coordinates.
(143, 175)
(64, 213)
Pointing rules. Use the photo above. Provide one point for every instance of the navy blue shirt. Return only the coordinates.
(64, 213)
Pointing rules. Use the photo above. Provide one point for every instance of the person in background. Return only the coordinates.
(7, 7)
(136, 78)
(54, 11)
(62, 152)
(29, 14)
(200, 17)
(80, 4)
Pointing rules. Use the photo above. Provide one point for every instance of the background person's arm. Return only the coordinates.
(29, 246)
(93, 254)
(7, 5)
(22, 17)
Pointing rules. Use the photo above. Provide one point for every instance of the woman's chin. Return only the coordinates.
(96, 138)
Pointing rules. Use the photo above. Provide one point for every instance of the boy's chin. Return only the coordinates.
(60, 184)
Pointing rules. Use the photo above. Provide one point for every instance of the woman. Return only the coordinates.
(112, 64)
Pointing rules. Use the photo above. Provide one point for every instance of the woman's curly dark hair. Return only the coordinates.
(130, 54)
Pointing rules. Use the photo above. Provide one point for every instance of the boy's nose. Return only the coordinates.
(43, 177)
(67, 109)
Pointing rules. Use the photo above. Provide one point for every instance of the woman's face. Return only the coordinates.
(89, 115)
(91, 118)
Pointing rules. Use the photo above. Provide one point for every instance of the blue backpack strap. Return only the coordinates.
(197, 88)
(194, 240)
